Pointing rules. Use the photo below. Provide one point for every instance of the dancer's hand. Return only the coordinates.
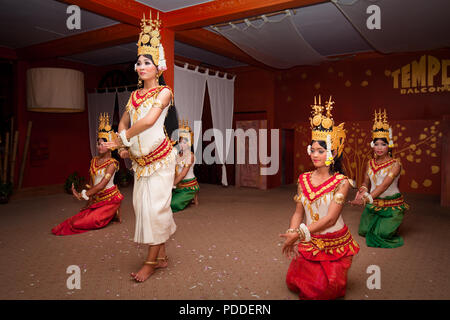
(289, 244)
(124, 154)
(75, 193)
(357, 202)
(111, 144)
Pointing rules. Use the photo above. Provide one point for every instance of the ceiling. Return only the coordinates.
(170, 5)
(23, 23)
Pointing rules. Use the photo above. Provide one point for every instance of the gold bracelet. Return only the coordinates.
(367, 189)
(301, 234)
(291, 231)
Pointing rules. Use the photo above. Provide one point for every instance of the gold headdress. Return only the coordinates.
(104, 128)
(184, 131)
(323, 129)
(150, 41)
(380, 126)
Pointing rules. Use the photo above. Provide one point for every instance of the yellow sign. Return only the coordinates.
(422, 76)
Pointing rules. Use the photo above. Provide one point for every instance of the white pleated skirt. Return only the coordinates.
(151, 201)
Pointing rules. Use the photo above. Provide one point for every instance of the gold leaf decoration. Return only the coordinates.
(410, 157)
(435, 169)
(348, 83)
(422, 136)
(427, 183)
(414, 184)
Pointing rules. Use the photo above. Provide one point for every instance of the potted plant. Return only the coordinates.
(123, 178)
(6, 190)
(77, 180)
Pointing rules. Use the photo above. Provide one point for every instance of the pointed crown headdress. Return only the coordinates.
(149, 42)
(184, 131)
(381, 128)
(104, 128)
(323, 128)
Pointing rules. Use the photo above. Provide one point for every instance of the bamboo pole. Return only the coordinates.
(11, 136)
(6, 158)
(13, 160)
(25, 153)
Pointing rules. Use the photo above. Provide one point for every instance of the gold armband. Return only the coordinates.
(297, 198)
(391, 174)
(107, 176)
(158, 104)
(339, 198)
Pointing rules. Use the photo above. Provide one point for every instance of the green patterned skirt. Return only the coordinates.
(380, 222)
(183, 194)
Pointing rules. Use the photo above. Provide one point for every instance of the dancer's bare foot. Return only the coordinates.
(162, 262)
(145, 272)
(117, 217)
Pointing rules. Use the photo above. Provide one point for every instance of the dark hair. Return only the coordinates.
(382, 139)
(171, 121)
(336, 166)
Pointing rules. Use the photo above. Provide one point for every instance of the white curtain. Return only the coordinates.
(275, 42)
(189, 91)
(221, 94)
(98, 103)
(122, 98)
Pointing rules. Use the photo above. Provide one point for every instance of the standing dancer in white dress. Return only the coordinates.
(146, 142)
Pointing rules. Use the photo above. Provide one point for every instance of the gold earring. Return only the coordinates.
(139, 83)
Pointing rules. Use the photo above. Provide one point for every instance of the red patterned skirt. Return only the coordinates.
(96, 216)
(319, 272)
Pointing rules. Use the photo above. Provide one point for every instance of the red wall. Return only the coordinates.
(360, 86)
(354, 98)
